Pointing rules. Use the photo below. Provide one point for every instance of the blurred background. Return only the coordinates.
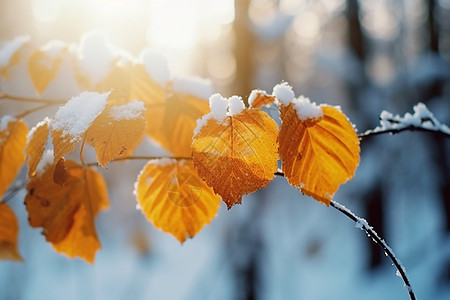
(366, 56)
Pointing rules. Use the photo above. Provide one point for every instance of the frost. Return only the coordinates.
(156, 65)
(195, 86)
(283, 92)
(422, 118)
(96, 55)
(306, 109)
(76, 116)
(131, 110)
(235, 106)
(4, 121)
(46, 160)
(33, 130)
(8, 50)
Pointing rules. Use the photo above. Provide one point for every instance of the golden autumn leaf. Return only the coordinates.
(319, 148)
(172, 124)
(259, 99)
(37, 139)
(73, 120)
(44, 64)
(117, 131)
(9, 230)
(13, 138)
(174, 198)
(10, 54)
(235, 152)
(66, 212)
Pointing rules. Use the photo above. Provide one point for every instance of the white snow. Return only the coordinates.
(33, 130)
(202, 122)
(219, 107)
(95, 55)
(284, 93)
(422, 118)
(235, 105)
(53, 48)
(306, 109)
(254, 94)
(10, 48)
(131, 110)
(195, 86)
(156, 65)
(76, 116)
(4, 121)
(46, 161)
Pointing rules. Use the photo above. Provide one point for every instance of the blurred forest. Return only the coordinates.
(365, 56)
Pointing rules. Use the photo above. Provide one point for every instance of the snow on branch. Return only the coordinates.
(421, 120)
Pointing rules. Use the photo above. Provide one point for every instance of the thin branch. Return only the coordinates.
(92, 164)
(370, 133)
(12, 192)
(363, 225)
(4, 96)
(33, 110)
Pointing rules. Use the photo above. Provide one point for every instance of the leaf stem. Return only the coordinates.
(4, 96)
(92, 164)
(363, 225)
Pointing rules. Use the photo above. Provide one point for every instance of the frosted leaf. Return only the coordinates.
(8, 50)
(156, 65)
(306, 109)
(131, 110)
(195, 86)
(76, 116)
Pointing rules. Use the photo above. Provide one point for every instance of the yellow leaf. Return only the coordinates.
(13, 138)
(117, 131)
(73, 120)
(236, 155)
(44, 64)
(172, 124)
(37, 139)
(9, 230)
(66, 213)
(259, 98)
(174, 198)
(10, 54)
(318, 154)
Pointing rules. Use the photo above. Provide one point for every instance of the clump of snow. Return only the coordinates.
(131, 110)
(4, 121)
(45, 162)
(284, 93)
(219, 106)
(422, 118)
(95, 54)
(195, 86)
(8, 50)
(235, 106)
(53, 48)
(156, 65)
(254, 94)
(76, 116)
(306, 109)
(33, 130)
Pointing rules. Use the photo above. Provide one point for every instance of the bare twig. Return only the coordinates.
(363, 225)
(91, 164)
(4, 96)
(370, 133)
